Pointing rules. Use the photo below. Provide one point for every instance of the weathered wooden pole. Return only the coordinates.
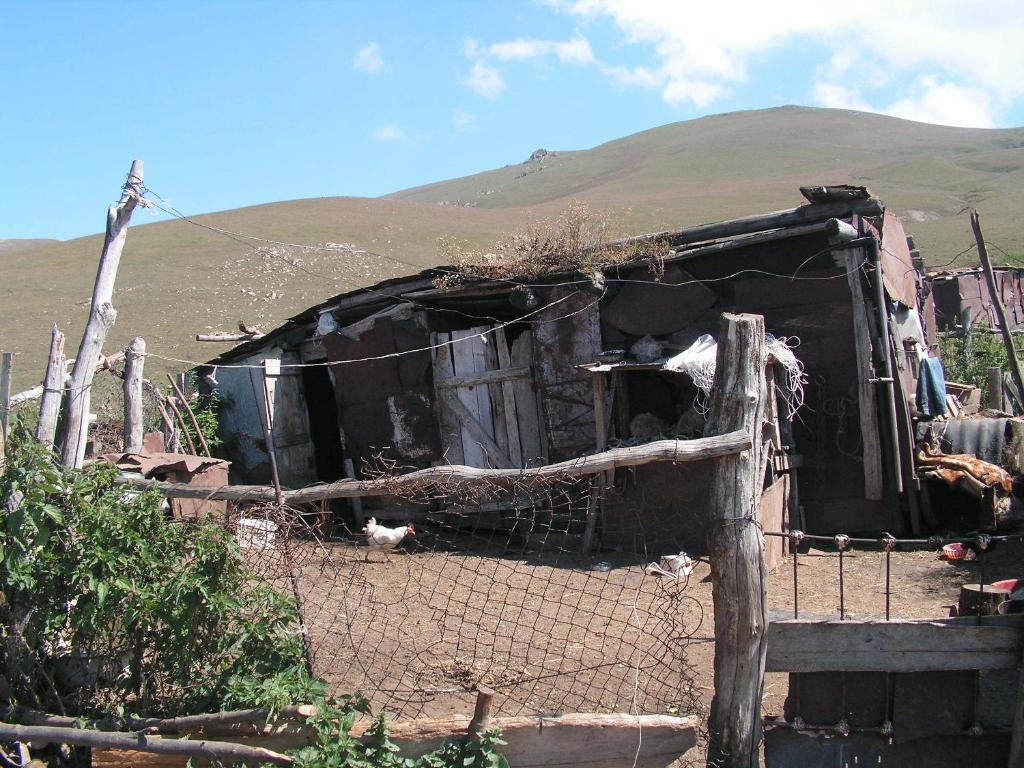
(134, 361)
(101, 318)
(179, 391)
(53, 389)
(271, 372)
(997, 304)
(736, 546)
(6, 362)
(995, 388)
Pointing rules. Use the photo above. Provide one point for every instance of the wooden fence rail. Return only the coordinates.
(677, 451)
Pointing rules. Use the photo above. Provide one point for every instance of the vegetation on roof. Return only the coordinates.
(575, 241)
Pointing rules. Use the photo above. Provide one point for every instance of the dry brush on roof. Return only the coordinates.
(576, 240)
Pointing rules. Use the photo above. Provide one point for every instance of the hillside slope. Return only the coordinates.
(734, 164)
(178, 279)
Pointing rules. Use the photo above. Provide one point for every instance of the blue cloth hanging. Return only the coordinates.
(931, 388)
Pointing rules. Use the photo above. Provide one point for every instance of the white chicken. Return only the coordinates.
(380, 538)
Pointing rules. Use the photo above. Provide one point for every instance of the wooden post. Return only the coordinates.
(482, 712)
(179, 391)
(53, 390)
(271, 370)
(737, 546)
(997, 303)
(134, 360)
(101, 318)
(6, 361)
(995, 388)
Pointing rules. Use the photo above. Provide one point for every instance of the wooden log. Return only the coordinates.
(923, 645)
(52, 390)
(866, 397)
(135, 359)
(481, 712)
(736, 546)
(981, 600)
(191, 415)
(101, 318)
(228, 337)
(83, 737)
(676, 451)
(995, 388)
(997, 304)
(210, 723)
(577, 740)
(805, 214)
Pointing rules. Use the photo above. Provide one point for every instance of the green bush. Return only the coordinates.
(967, 357)
(165, 613)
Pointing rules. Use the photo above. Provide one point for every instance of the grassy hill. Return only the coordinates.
(177, 279)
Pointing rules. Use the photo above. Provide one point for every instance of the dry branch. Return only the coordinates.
(676, 451)
(101, 318)
(52, 390)
(81, 737)
(191, 414)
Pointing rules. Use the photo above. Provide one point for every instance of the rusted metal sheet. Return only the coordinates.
(953, 292)
(385, 405)
(564, 336)
(898, 271)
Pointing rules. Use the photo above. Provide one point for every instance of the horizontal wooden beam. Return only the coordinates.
(676, 451)
(184, 749)
(486, 377)
(805, 214)
(228, 336)
(895, 646)
(577, 740)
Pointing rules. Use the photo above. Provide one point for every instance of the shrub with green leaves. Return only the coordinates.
(162, 613)
(967, 357)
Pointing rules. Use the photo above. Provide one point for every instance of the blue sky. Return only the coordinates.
(234, 104)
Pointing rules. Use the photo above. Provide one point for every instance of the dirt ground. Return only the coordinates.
(553, 633)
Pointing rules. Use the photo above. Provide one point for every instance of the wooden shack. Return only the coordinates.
(505, 373)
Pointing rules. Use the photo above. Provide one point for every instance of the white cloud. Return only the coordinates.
(484, 77)
(575, 51)
(946, 104)
(840, 97)
(932, 58)
(369, 60)
(391, 133)
(485, 80)
(461, 119)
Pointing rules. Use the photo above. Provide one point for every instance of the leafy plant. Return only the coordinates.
(966, 358)
(336, 747)
(102, 586)
(207, 409)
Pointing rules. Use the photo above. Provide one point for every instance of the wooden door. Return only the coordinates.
(487, 408)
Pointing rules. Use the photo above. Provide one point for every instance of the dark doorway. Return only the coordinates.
(323, 423)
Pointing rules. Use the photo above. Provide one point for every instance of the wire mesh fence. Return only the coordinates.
(489, 587)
